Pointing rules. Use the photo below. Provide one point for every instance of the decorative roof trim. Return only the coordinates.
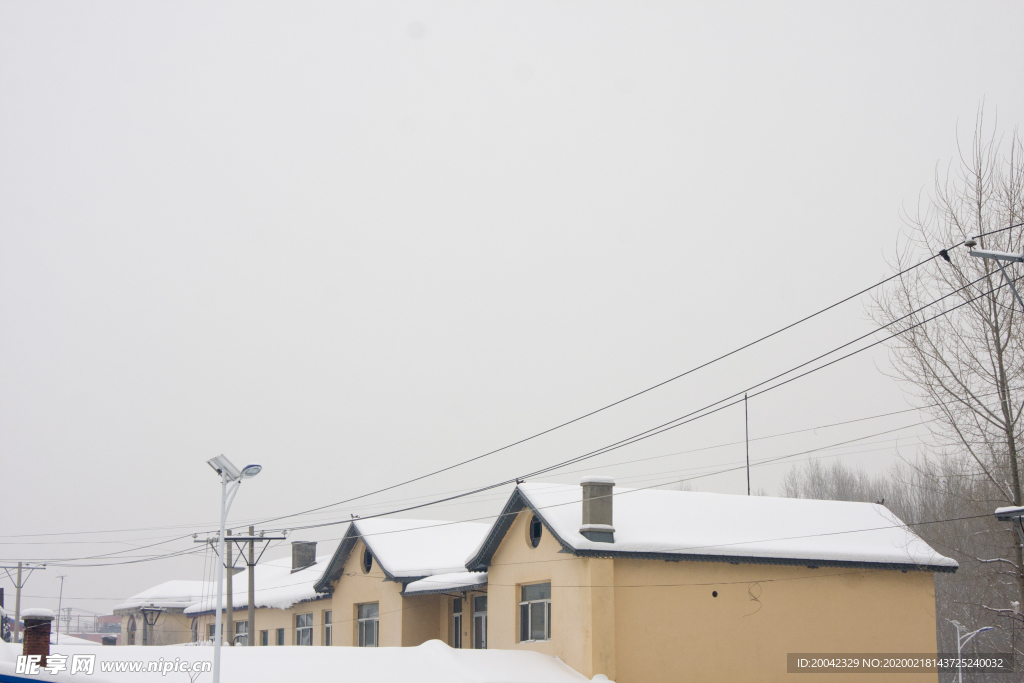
(336, 566)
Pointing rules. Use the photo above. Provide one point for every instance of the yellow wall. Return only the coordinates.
(269, 619)
(645, 621)
(404, 622)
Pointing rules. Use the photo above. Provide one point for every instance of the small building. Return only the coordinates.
(649, 586)
(171, 626)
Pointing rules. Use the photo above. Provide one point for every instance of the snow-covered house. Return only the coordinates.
(289, 610)
(651, 585)
(171, 625)
(394, 582)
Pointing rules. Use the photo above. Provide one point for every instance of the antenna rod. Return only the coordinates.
(746, 429)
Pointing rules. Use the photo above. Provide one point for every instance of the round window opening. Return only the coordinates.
(714, 594)
(536, 529)
(367, 561)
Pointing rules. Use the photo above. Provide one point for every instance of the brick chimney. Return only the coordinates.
(303, 555)
(597, 509)
(36, 640)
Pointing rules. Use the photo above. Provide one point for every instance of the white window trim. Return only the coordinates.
(328, 627)
(547, 618)
(360, 630)
(300, 629)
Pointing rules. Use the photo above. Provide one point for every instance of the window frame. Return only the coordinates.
(526, 611)
(372, 623)
(534, 539)
(479, 624)
(328, 627)
(264, 638)
(241, 637)
(457, 623)
(280, 636)
(304, 631)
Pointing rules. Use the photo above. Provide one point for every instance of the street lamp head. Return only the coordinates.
(251, 470)
(970, 243)
(151, 614)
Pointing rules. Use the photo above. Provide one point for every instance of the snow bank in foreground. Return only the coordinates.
(432, 662)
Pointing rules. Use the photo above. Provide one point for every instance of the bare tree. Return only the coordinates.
(966, 368)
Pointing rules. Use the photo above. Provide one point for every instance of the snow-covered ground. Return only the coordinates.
(432, 662)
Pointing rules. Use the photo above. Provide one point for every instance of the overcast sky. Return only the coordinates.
(359, 241)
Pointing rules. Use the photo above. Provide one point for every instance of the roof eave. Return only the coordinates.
(453, 589)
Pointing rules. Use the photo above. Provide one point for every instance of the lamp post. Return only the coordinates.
(150, 615)
(961, 640)
(229, 474)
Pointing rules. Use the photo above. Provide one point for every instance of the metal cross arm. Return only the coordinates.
(997, 255)
(254, 539)
(1013, 515)
(242, 539)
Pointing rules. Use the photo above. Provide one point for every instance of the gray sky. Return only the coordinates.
(357, 242)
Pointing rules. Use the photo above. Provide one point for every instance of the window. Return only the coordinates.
(194, 637)
(241, 633)
(535, 613)
(480, 622)
(367, 560)
(328, 626)
(457, 623)
(536, 529)
(303, 629)
(131, 630)
(264, 638)
(280, 636)
(211, 631)
(369, 624)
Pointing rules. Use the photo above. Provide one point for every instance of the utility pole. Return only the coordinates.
(250, 627)
(19, 583)
(228, 616)
(59, 601)
(252, 539)
(746, 432)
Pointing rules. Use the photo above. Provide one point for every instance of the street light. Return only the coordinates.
(998, 257)
(962, 640)
(229, 474)
(150, 616)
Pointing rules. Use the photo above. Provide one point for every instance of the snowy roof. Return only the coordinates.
(443, 583)
(431, 662)
(714, 526)
(409, 548)
(169, 595)
(276, 586)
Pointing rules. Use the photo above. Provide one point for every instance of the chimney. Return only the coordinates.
(597, 509)
(36, 640)
(303, 555)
